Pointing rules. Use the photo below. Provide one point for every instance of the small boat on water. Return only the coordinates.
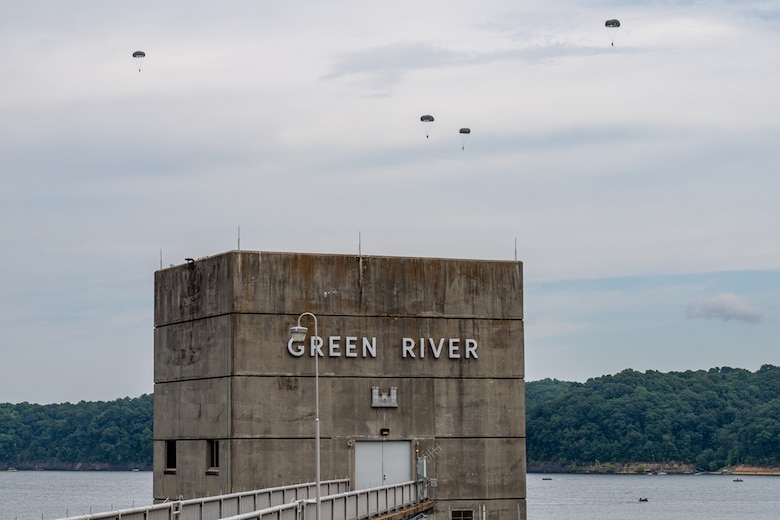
(546, 478)
(738, 480)
(11, 470)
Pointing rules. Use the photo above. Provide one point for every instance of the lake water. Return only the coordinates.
(48, 495)
(37, 495)
(689, 497)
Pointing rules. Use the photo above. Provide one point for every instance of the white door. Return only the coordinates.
(381, 463)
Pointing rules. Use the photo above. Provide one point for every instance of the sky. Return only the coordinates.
(637, 182)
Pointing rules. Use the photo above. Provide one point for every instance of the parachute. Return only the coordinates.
(139, 57)
(612, 26)
(427, 121)
(464, 135)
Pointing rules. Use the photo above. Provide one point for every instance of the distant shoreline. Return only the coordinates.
(639, 468)
(75, 467)
(743, 469)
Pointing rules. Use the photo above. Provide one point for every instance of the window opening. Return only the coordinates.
(213, 454)
(462, 514)
(170, 455)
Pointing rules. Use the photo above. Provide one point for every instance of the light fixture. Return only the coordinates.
(298, 334)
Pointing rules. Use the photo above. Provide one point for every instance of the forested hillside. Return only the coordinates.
(711, 419)
(87, 435)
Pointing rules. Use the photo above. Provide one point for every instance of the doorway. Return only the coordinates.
(382, 463)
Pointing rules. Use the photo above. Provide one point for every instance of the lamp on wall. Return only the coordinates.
(298, 334)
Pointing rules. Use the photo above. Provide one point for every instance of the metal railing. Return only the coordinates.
(221, 506)
(351, 505)
(283, 503)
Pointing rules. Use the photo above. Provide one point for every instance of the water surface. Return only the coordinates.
(690, 497)
(49, 495)
(46, 495)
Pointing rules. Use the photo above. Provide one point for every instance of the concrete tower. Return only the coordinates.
(420, 374)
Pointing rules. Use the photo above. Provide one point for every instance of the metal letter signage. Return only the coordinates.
(355, 347)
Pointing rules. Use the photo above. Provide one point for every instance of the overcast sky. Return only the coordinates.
(637, 182)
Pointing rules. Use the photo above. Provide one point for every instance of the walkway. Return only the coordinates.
(297, 502)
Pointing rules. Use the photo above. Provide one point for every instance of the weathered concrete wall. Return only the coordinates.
(251, 282)
(224, 370)
(256, 344)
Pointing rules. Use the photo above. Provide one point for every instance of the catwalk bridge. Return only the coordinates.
(297, 502)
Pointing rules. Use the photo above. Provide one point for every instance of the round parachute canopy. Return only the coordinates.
(612, 28)
(464, 135)
(427, 122)
(138, 57)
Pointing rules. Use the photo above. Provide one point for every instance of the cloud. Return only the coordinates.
(575, 145)
(724, 307)
(385, 65)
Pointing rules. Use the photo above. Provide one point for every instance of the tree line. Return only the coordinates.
(112, 435)
(711, 419)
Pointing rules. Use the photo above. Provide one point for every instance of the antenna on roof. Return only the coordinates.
(161, 258)
(360, 260)
(239, 237)
(515, 249)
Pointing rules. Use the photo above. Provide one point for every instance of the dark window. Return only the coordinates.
(213, 454)
(170, 454)
(462, 514)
